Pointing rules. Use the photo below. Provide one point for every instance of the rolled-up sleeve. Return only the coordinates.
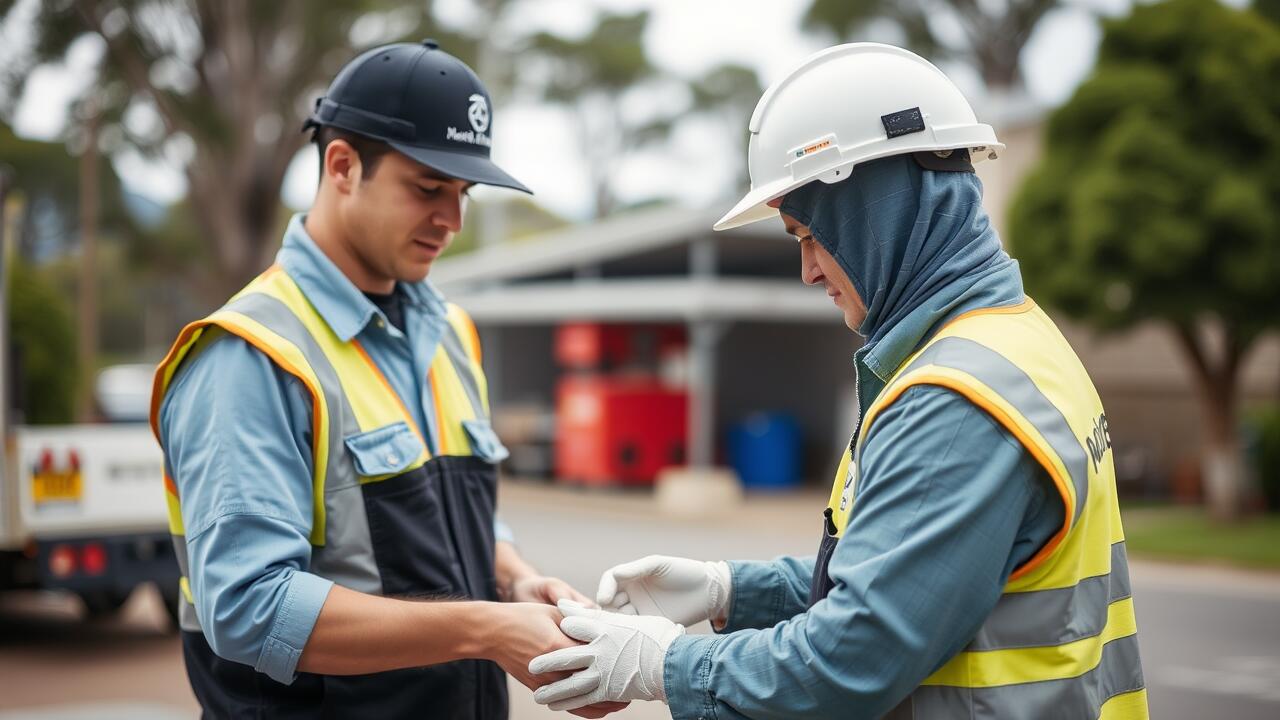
(765, 593)
(949, 505)
(236, 433)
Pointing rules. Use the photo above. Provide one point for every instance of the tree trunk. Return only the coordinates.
(240, 219)
(1222, 461)
(1222, 464)
(87, 322)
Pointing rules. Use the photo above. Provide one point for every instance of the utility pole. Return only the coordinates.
(6, 183)
(87, 325)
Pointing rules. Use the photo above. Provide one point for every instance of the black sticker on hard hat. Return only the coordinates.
(903, 122)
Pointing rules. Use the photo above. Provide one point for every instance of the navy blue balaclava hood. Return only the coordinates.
(900, 232)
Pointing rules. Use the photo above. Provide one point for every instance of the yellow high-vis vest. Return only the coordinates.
(362, 433)
(1062, 640)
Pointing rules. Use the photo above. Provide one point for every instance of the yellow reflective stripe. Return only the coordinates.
(446, 388)
(167, 367)
(465, 329)
(1129, 706)
(185, 587)
(370, 396)
(176, 526)
(841, 519)
(994, 668)
(290, 358)
(1084, 553)
(1013, 421)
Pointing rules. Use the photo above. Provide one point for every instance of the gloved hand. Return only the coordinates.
(622, 660)
(683, 591)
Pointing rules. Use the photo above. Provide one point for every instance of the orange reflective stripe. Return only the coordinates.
(169, 365)
(1003, 418)
(1024, 306)
(166, 368)
(188, 336)
(435, 399)
(170, 486)
(473, 334)
(387, 386)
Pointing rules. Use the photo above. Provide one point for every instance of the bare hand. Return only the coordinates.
(524, 631)
(546, 590)
(528, 630)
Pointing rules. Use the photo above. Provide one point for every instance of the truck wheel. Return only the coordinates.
(103, 603)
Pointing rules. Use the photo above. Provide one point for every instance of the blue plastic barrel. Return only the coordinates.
(764, 449)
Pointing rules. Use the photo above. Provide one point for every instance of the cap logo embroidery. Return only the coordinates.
(478, 113)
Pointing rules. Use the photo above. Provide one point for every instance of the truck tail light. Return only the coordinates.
(93, 559)
(62, 561)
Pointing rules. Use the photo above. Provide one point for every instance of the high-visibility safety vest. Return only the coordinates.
(389, 518)
(1062, 640)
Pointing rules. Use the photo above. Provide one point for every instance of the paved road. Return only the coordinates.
(1211, 637)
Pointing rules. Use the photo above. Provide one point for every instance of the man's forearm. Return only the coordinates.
(357, 633)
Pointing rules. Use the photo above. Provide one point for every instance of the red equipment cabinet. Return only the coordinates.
(618, 429)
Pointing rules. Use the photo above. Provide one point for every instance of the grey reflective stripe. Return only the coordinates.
(187, 619)
(462, 368)
(180, 551)
(1118, 672)
(1055, 617)
(347, 555)
(278, 318)
(1019, 390)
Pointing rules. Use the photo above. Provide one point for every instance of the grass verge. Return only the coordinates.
(1187, 534)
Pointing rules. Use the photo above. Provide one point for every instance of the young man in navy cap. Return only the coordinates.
(330, 467)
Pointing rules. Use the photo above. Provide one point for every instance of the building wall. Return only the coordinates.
(805, 370)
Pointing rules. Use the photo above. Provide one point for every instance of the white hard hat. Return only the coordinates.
(846, 105)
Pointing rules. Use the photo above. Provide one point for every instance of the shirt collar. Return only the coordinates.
(338, 301)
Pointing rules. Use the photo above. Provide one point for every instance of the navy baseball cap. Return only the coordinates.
(421, 101)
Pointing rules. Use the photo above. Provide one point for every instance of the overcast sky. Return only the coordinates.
(536, 143)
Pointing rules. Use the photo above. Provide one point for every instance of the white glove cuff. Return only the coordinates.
(719, 591)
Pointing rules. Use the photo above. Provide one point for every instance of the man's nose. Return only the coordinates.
(810, 274)
(449, 211)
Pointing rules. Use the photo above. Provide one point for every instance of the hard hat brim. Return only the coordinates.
(463, 166)
(753, 207)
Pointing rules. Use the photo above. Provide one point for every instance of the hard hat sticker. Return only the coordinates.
(903, 122)
(821, 145)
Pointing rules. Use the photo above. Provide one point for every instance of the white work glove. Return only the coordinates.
(683, 591)
(622, 660)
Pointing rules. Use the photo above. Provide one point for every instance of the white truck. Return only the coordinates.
(82, 507)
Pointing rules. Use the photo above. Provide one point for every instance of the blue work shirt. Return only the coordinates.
(949, 505)
(236, 430)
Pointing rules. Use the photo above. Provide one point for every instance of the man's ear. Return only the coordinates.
(342, 166)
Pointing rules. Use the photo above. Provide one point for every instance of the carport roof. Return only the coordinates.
(525, 282)
(648, 300)
(586, 245)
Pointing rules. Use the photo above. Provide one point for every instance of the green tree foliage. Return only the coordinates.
(994, 33)
(48, 177)
(1158, 198)
(43, 346)
(590, 76)
(594, 76)
(227, 81)
(730, 92)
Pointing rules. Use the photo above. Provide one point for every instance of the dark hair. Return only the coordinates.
(369, 151)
